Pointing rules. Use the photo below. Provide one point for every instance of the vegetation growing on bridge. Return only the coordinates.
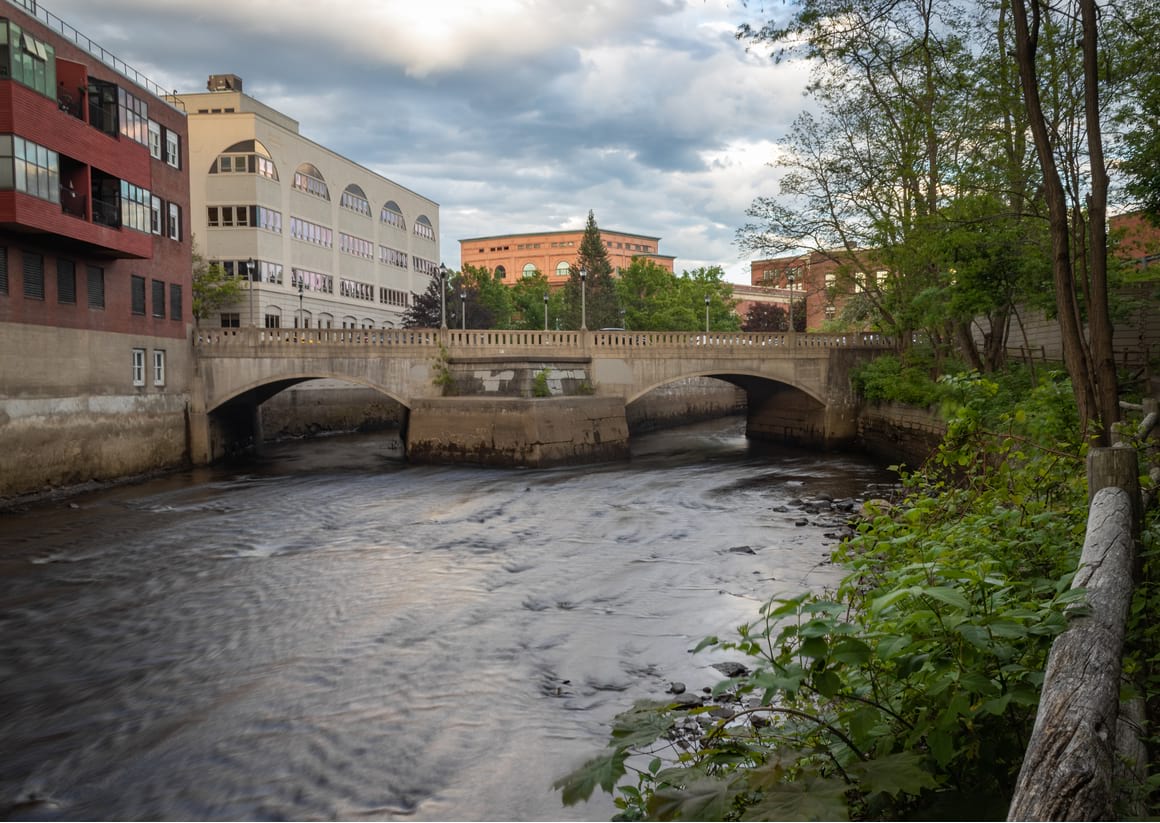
(912, 688)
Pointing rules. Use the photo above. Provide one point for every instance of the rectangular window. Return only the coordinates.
(231, 320)
(3, 270)
(159, 367)
(33, 276)
(155, 210)
(137, 292)
(175, 306)
(66, 281)
(173, 148)
(273, 321)
(138, 367)
(95, 279)
(158, 299)
(34, 169)
(133, 117)
(174, 221)
(154, 140)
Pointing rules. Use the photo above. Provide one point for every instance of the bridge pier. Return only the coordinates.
(510, 431)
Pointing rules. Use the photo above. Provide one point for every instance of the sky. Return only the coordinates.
(513, 115)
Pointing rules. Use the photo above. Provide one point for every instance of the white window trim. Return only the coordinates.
(159, 367)
(138, 367)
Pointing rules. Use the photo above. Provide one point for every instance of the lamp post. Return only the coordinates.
(442, 296)
(583, 300)
(250, 286)
(545, 311)
(463, 307)
(301, 325)
(706, 314)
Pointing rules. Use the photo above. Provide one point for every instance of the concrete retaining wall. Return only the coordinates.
(901, 434)
(546, 431)
(686, 401)
(328, 406)
(70, 412)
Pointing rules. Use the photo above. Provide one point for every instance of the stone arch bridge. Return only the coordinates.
(469, 395)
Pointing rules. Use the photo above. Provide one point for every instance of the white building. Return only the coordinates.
(322, 241)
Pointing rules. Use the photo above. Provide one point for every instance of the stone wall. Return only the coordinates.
(900, 434)
(70, 412)
(685, 401)
(499, 431)
(328, 406)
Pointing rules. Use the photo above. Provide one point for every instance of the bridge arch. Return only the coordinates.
(742, 378)
(259, 391)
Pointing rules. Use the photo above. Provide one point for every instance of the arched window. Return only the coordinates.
(529, 269)
(562, 269)
(500, 272)
(309, 179)
(326, 321)
(423, 228)
(245, 157)
(355, 199)
(392, 215)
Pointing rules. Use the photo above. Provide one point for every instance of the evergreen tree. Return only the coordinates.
(599, 291)
(424, 311)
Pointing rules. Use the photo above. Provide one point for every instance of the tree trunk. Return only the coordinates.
(1099, 320)
(1067, 308)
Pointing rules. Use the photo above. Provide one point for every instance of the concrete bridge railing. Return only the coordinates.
(223, 342)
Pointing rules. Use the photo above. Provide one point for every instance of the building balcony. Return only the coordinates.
(67, 225)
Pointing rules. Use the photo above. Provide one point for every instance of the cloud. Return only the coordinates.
(514, 115)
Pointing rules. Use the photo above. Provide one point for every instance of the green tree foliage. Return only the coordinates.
(489, 301)
(654, 299)
(527, 296)
(597, 295)
(1135, 29)
(425, 311)
(212, 288)
(910, 691)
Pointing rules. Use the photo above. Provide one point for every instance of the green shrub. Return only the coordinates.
(540, 384)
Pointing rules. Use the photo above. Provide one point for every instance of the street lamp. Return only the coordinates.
(583, 304)
(250, 286)
(706, 314)
(442, 296)
(301, 325)
(463, 307)
(545, 311)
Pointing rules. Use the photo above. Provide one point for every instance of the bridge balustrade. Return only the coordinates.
(503, 341)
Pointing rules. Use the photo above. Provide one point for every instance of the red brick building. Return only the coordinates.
(95, 257)
(552, 253)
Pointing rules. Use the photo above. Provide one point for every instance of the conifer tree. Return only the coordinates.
(599, 292)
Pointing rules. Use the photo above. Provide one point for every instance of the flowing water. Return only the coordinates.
(328, 633)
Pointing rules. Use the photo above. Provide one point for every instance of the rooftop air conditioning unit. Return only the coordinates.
(224, 82)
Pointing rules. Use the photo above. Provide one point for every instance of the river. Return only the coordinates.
(325, 632)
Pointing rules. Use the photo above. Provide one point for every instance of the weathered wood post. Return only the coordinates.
(1069, 770)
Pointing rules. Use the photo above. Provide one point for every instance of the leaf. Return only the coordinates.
(827, 683)
(852, 652)
(708, 641)
(603, 771)
(893, 774)
(815, 647)
(819, 799)
(641, 725)
(702, 799)
(949, 595)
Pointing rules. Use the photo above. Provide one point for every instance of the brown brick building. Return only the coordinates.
(95, 260)
(552, 253)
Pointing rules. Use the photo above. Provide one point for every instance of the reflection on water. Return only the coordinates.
(325, 632)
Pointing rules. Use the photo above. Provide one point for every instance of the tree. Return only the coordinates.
(765, 317)
(527, 295)
(1091, 365)
(426, 310)
(654, 299)
(489, 301)
(212, 288)
(597, 296)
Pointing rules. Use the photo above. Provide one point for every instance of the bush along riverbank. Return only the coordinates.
(911, 689)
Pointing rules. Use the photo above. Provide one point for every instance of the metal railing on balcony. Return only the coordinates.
(95, 49)
(107, 213)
